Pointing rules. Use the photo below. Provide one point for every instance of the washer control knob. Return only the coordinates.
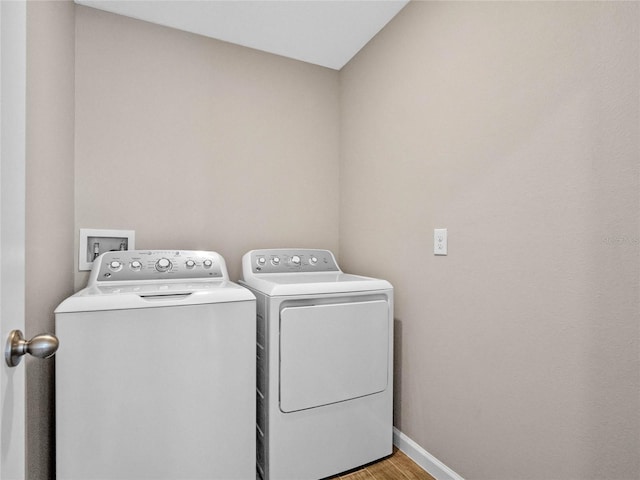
(207, 263)
(295, 260)
(115, 265)
(135, 265)
(275, 261)
(163, 265)
(190, 263)
(313, 260)
(261, 261)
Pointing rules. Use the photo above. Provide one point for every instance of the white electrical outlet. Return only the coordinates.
(440, 241)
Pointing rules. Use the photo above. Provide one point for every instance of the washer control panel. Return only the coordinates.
(284, 260)
(146, 265)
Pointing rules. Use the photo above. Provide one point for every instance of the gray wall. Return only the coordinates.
(49, 206)
(516, 126)
(200, 144)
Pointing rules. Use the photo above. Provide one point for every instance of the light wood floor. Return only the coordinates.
(395, 467)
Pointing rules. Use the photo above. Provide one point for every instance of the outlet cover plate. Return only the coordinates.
(93, 240)
(440, 241)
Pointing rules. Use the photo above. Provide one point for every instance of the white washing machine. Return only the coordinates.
(155, 374)
(325, 364)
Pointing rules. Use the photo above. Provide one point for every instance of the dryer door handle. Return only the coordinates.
(44, 345)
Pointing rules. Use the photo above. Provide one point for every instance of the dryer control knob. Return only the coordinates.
(190, 263)
(207, 263)
(313, 260)
(295, 260)
(163, 265)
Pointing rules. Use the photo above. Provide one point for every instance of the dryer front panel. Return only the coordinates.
(333, 353)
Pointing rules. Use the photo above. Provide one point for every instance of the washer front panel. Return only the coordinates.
(162, 393)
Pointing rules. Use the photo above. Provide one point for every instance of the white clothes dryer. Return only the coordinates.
(324, 363)
(155, 374)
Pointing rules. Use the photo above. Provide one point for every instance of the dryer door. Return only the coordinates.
(332, 353)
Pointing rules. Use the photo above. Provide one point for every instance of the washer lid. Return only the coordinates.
(313, 283)
(128, 295)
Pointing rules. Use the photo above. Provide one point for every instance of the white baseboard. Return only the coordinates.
(428, 462)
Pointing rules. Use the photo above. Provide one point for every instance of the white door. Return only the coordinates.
(12, 228)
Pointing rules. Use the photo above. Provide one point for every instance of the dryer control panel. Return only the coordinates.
(285, 260)
(131, 265)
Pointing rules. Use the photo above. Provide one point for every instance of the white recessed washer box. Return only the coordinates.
(94, 242)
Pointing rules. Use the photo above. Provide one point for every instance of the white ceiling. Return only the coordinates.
(323, 32)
